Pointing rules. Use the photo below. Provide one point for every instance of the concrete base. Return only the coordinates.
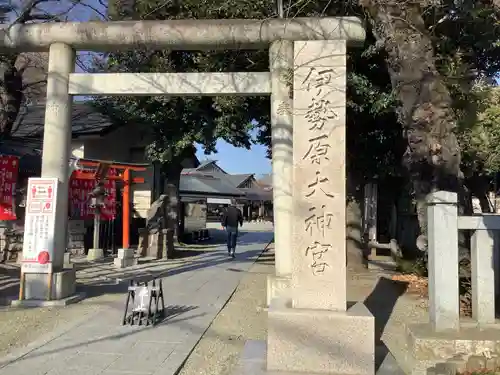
(126, 253)
(53, 303)
(320, 341)
(125, 262)
(253, 362)
(36, 285)
(67, 261)
(426, 348)
(95, 254)
(278, 287)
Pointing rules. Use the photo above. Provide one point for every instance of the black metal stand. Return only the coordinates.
(147, 303)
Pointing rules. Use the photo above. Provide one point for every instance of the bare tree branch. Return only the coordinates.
(31, 84)
(26, 12)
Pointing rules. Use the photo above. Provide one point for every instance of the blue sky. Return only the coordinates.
(239, 160)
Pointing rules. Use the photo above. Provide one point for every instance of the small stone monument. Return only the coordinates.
(157, 241)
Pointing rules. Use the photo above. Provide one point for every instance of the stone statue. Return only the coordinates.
(155, 220)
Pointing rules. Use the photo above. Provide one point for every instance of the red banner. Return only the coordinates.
(79, 198)
(9, 170)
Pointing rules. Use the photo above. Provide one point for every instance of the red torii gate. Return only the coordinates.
(124, 176)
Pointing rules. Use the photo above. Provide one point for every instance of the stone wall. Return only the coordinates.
(11, 239)
(488, 363)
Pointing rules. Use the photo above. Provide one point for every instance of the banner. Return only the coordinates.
(9, 170)
(79, 198)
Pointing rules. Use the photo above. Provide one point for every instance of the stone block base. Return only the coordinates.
(252, 361)
(36, 285)
(67, 261)
(126, 253)
(126, 258)
(278, 287)
(427, 348)
(53, 303)
(320, 341)
(95, 254)
(125, 262)
(382, 263)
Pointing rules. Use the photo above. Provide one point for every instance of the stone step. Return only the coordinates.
(382, 265)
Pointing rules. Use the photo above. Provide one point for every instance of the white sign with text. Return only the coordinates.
(39, 226)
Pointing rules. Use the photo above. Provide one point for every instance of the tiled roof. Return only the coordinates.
(30, 155)
(237, 179)
(85, 120)
(201, 183)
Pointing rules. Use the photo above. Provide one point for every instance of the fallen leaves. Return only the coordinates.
(417, 285)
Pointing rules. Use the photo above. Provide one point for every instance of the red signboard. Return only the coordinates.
(9, 170)
(79, 198)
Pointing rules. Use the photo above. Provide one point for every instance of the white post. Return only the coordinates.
(442, 216)
(483, 276)
(281, 67)
(97, 228)
(57, 138)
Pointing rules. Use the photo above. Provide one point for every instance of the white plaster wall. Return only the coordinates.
(77, 149)
(116, 146)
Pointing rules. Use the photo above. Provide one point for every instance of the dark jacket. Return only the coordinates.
(231, 217)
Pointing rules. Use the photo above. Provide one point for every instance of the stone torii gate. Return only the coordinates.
(310, 329)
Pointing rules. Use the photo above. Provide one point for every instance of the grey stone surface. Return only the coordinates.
(483, 276)
(442, 214)
(278, 286)
(181, 34)
(280, 66)
(56, 140)
(194, 295)
(36, 285)
(95, 254)
(319, 341)
(426, 347)
(253, 362)
(319, 195)
(77, 297)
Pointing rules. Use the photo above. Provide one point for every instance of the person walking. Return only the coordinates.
(230, 219)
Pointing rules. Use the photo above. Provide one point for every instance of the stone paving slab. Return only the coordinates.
(102, 346)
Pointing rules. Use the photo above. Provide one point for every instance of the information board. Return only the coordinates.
(39, 226)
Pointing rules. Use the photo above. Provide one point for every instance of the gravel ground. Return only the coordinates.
(18, 327)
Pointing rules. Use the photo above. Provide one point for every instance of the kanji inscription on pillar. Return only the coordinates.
(319, 196)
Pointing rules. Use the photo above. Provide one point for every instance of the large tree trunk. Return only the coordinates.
(354, 246)
(11, 94)
(432, 156)
(172, 175)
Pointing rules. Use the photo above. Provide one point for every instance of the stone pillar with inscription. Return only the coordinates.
(281, 67)
(312, 331)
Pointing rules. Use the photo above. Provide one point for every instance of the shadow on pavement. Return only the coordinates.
(381, 302)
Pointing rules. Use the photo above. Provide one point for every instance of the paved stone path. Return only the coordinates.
(194, 295)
